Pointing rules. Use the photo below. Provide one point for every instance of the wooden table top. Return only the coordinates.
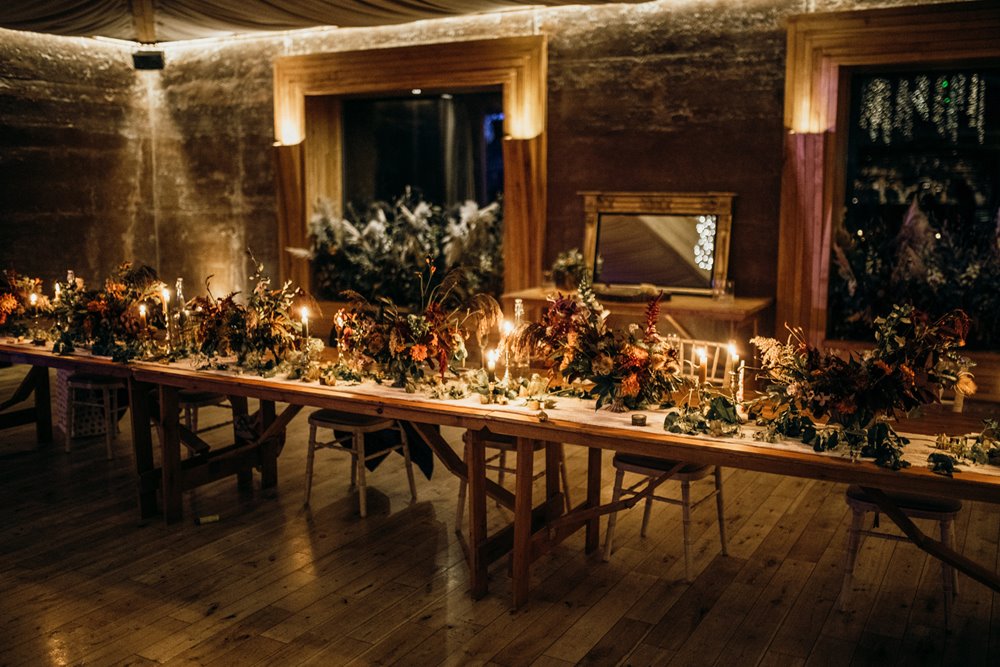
(572, 421)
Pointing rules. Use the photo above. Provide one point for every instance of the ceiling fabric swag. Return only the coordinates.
(193, 19)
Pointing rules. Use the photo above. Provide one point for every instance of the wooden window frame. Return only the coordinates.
(822, 48)
(307, 126)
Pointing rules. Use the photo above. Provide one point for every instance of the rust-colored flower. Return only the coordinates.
(630, 385)
(603, 364)
(884, 367)
(418, 352)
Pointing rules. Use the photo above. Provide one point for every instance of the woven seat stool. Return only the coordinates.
(354, 427)
(942, 510)
(108, 388)
(650, 467)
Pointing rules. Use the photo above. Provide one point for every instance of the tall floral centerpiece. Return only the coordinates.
(17, 306)
(626, 369)
(913, 359)
(408, 345)
(121, 320)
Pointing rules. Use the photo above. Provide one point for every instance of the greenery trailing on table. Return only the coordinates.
(914, 358)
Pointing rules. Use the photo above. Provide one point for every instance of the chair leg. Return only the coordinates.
(359, 460)
(565, 476)
(615, 497)
(853, 544)
(646, 511)
(460, 512)
(409, 464)
(310, 457)
(719, 506)
(109, 429)
(686, 507)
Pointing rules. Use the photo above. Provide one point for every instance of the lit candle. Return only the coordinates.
(305, 322)
(739, 383)
(491, 364)
(731, 359)
(142, 315)
(58, 290)
(33, 299)
(702, 366)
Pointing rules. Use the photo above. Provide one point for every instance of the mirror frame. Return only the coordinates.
(719, 204)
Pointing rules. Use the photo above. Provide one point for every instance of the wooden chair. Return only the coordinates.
(942, 510)
(498, 462)
(716, 355)
(191, 401)
(652, 468)
(354, 427)
(107, 388)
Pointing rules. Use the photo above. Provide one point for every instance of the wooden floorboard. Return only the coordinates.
(84, 581)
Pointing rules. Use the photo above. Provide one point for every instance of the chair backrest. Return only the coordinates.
(716, 355)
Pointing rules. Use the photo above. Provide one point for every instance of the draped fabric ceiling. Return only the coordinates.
(168, 20)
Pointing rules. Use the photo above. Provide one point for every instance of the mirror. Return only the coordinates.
(676, 241)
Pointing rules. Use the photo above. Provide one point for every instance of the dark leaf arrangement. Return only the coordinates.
(624, 369)
(371, 252)
(829, 401)
(381, 339)
(16, 307)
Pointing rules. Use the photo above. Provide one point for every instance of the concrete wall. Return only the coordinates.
(75, 181)
(672, 95)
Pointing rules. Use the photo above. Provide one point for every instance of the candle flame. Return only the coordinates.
(142, 309)
(702, 355)
(305, 313)
(33, 299)
(732, 349)
(166, 295)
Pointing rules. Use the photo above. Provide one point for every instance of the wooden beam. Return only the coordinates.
(143, 21)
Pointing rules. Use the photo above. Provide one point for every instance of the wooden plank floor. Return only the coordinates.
(82, 581)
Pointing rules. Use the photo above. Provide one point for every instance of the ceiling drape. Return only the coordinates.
(189, 19)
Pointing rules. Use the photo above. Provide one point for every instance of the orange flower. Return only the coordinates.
(630, 386)
(418, 352)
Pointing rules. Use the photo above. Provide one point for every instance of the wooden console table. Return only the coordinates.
(740, 312)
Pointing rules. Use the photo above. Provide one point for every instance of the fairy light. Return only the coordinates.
(704, 249)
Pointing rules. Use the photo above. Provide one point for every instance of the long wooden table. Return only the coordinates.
(535, 528)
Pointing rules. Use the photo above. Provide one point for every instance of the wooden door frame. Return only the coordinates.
(308, 133)
(821, 49)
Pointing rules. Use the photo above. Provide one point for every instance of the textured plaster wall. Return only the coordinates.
(74, 157)
(175, 167)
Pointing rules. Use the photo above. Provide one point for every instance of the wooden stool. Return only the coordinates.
(108, 388)
(942, 510)
(650, 467)
(498, 462)
(355, 427)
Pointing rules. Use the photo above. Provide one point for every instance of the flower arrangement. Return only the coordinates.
(122, 320)
(260, 333)
(405, 345)
(16, 303)
(914, 357)
(570, 268)
(629, 369)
